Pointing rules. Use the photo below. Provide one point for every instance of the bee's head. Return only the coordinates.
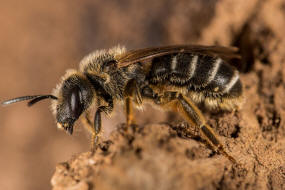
(75, 95)
(70, 99)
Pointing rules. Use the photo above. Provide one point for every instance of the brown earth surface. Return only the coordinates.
(166, 156)
(41, 39)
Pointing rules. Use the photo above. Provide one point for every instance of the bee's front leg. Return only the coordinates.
(95, 128)
(90, 127)
(98, 125)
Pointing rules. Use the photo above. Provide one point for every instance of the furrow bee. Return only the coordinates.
(172, 77)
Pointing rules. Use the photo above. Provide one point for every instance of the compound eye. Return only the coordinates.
(76, 106)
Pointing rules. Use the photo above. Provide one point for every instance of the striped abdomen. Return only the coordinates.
(204, 73)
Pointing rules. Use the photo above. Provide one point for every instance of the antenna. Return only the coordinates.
(33, 99)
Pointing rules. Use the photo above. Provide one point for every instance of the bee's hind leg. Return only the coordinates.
(193, 115)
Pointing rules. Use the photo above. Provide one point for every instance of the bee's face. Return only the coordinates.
(70, 109)
(75, 96)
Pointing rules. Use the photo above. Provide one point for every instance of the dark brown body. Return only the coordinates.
(176, 77)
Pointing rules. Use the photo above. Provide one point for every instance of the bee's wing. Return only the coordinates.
(140, 55)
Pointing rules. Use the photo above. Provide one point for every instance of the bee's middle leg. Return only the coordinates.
(132, 94)
(129, 111)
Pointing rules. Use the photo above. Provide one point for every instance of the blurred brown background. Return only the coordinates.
(39, 40)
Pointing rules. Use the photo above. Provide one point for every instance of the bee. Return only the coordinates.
(178, 78)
